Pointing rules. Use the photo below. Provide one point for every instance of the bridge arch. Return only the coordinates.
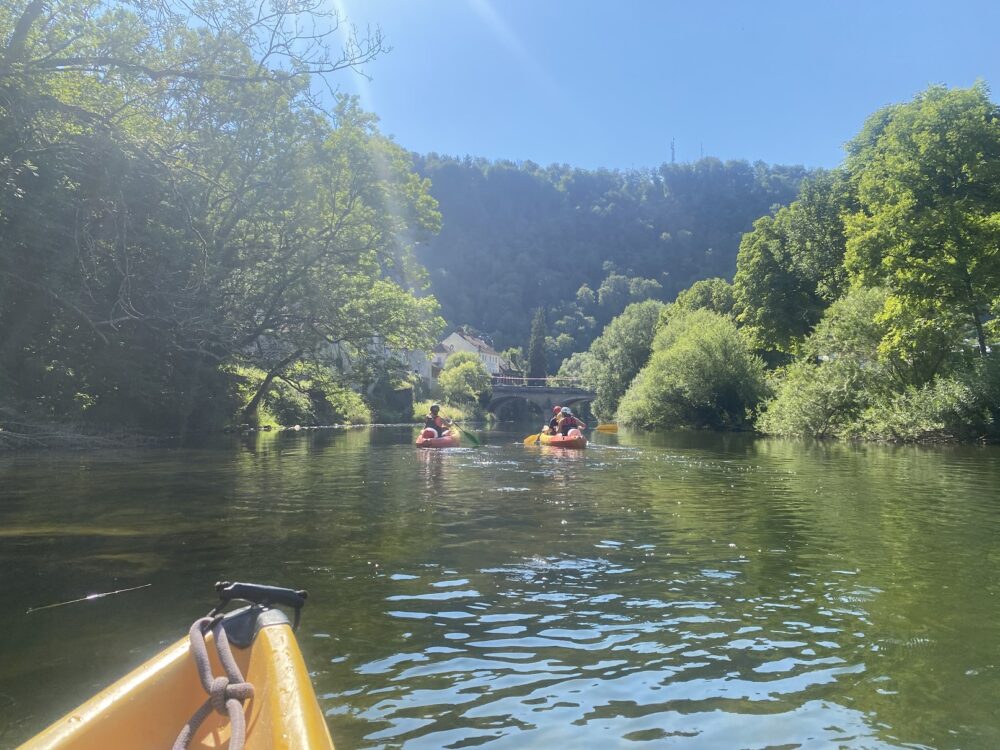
(543, 392)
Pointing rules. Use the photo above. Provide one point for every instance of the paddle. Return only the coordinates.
(532, 439)
(607, 428)
(473, 438)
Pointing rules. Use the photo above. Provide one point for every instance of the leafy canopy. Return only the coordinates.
(701, 374)
(617, 355)
(790, 266)
(464, 379)
(175, 207)
(927, 178)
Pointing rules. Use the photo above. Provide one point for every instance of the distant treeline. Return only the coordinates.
(583, 244)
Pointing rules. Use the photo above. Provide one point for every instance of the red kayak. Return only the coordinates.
(429, 439)
(574, 439)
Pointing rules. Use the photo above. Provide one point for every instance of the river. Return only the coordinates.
(654, 590)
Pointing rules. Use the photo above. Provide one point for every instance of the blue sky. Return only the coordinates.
(609, 84)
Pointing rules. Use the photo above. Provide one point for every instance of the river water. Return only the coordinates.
(680, 590)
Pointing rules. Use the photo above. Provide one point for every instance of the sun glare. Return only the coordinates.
(360, 84)
(510, 41)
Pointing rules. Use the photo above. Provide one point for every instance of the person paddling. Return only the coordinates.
(553, 426)
(568, 421)
(436, 422)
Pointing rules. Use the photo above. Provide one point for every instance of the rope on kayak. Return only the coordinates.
(225, 694)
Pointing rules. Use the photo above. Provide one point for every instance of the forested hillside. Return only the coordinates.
(581, 243)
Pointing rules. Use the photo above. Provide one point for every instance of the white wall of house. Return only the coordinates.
(455, 342)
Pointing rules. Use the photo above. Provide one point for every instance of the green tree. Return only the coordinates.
(790, 266)
(961, 405)
(708, 294)
(701, 374)
(327, 286)
(613, 293)
(536, 346)
(557, 348)
(617, 355)
(837, 375)
(464, 379)
(927, 177)
(843, 386)
(461, 358)
(175, 207)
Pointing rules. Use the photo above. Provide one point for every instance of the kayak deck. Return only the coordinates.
(150, 706)
(449, 440)
(574, 439)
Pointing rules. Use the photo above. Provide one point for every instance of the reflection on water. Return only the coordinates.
(678, 590)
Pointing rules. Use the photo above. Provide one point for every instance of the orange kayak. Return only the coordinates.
(574, 439)
(428, 439)
(150, 706)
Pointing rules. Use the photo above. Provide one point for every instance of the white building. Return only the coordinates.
(465, 342)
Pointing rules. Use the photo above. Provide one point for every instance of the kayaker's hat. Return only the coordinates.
(556, 409)
(435, 407)
(566, 411)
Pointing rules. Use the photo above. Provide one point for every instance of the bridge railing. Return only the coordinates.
(553, 382)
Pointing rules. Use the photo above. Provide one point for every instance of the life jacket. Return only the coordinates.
(436, 423)
(568, 423)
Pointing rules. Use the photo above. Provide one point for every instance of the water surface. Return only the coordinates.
(681, 591)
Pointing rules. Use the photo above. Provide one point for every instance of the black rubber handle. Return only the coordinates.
(261, 594)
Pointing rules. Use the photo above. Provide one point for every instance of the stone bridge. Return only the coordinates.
(543, 392)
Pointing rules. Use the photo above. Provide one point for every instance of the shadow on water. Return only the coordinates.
(688, 589)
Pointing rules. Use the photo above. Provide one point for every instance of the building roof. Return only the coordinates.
(478, 343)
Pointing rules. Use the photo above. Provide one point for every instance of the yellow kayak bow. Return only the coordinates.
(150, 706)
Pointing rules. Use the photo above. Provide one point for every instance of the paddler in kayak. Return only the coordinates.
(568, 421)
(552, 428)
(436, 422)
